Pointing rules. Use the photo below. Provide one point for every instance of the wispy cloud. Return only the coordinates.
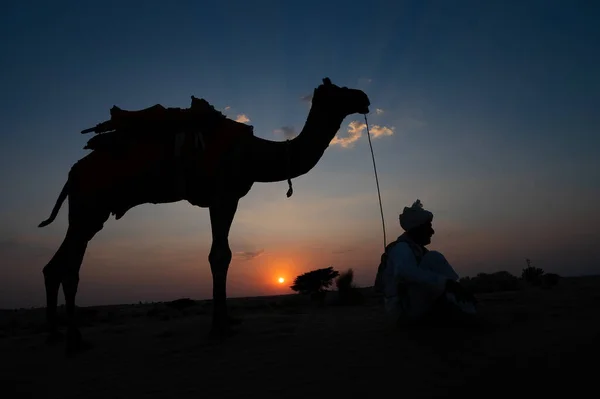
(242, 118)
(288, 132)
(307, 98)
(379, 131)
(355, 131)
(378, 111)
(248, 255)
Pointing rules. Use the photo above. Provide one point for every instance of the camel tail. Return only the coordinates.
(61, 198)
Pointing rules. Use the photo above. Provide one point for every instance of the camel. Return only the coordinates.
(92, 196)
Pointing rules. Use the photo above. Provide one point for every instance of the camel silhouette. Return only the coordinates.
(160, 155)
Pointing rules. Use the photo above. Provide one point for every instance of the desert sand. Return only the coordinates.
(541, 341)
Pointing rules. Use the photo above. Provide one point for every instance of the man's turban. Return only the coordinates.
(414, 216)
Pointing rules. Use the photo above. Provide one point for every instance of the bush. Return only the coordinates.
(532, 275)
(494, 282)
(348, 293)
(180, 304)
(315, 283)
(550, 280)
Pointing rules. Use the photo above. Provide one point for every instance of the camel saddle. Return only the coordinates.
(156, 119)
(149, 135)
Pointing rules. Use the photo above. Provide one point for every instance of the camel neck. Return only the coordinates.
(277, 161)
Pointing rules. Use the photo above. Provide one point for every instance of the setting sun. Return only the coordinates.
(281, 280)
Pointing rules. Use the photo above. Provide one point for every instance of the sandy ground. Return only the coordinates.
(544, 342)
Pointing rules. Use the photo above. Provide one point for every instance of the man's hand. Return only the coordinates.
(461, 294)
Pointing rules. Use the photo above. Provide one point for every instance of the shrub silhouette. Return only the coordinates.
(315, 283)
(550, 280)
(181, 303)
(494, 282)
(532, 275)
(348, 293)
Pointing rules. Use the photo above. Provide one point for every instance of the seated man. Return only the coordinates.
(418, 284)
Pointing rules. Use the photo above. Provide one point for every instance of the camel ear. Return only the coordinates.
(326, 81)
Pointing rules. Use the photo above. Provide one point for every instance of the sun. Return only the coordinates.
(281, 280)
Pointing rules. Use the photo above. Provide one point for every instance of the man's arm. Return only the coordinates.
(404, 265)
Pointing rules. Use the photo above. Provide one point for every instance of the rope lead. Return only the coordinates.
(377, 182)
(289, 161)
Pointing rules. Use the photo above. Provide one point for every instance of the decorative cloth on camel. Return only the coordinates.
(196, 140)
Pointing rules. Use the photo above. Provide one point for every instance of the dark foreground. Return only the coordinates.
(544, 342)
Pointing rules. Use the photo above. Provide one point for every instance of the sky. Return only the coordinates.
(485, 111)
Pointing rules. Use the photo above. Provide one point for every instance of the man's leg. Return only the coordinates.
(446, 306)
(436, 262)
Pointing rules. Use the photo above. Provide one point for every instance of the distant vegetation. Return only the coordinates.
(494, 282)
(504, 281)
(532, 275)
(536, 276)
(315, 283)
(348, 292)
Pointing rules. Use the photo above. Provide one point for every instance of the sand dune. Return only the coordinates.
(544, 341)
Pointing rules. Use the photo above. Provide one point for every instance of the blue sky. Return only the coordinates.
(492, 106)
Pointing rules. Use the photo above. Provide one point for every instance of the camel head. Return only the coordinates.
(331, 98)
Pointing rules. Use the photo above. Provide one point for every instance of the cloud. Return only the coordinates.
(378, 111)
(307, 98)
(355, 131)
(248, 255)
(288, 132)
(242, 118)
(379, 131)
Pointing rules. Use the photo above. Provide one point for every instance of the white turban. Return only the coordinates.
(414, 216)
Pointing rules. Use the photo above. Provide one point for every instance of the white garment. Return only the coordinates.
(425, 282)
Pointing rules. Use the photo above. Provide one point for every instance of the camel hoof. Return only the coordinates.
(54, 338)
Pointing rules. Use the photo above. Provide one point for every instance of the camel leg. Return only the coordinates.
(53, 272)
(63, 268)
(221, 217)
(70, 281)
(84, 224)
